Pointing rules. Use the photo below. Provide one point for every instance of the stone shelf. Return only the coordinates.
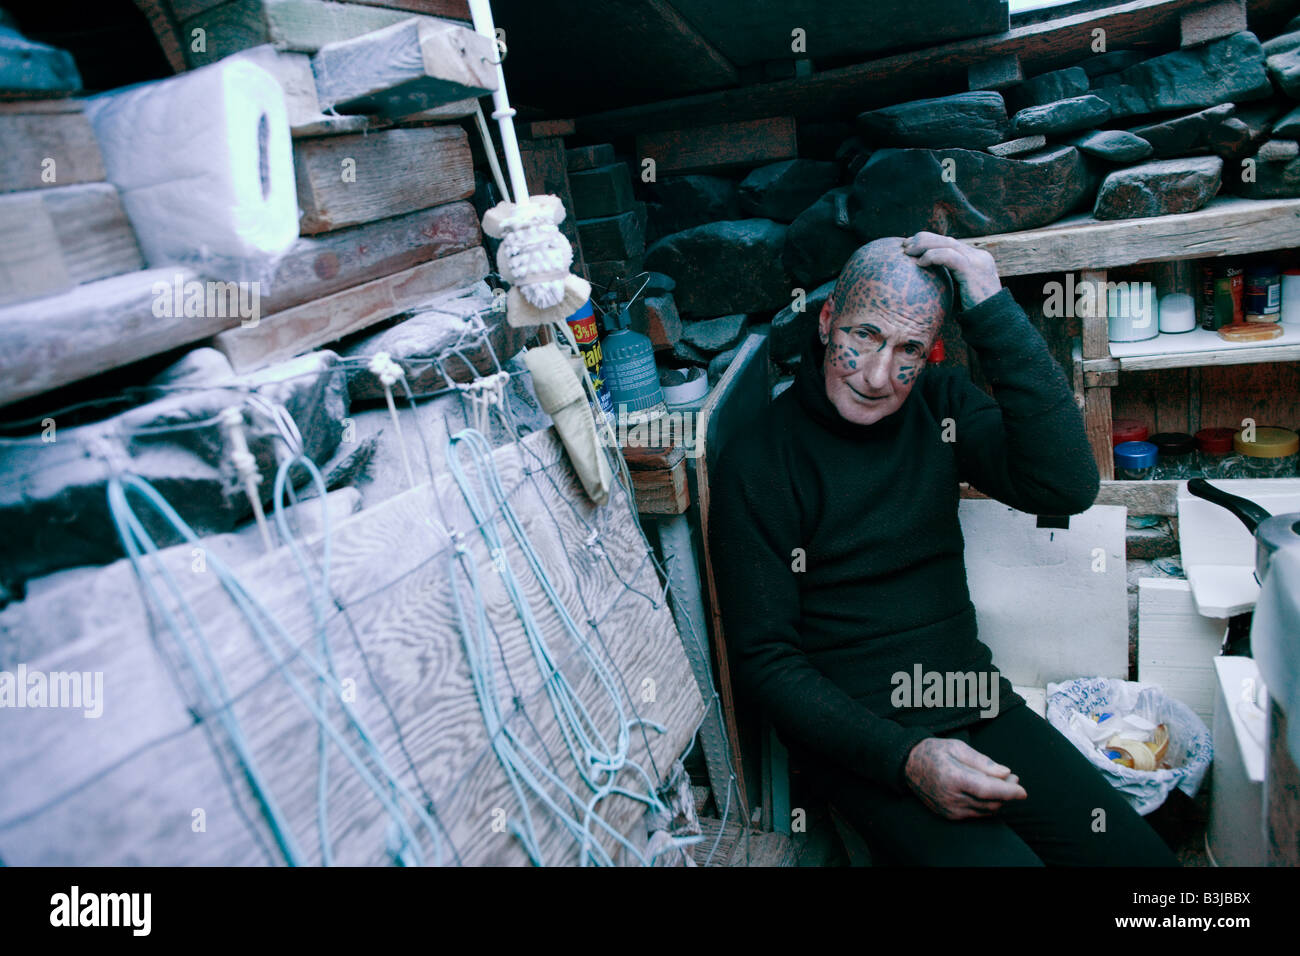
(1227, 226)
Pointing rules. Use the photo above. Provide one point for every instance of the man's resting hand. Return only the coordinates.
(958, 782)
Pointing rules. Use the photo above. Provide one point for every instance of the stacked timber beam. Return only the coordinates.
(373, 96)
(61, 224)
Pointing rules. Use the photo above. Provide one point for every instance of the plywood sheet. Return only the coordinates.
(124, 788)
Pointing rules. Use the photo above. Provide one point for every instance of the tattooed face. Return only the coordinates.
(878, 326)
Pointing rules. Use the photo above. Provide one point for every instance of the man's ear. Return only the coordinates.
(824, 319)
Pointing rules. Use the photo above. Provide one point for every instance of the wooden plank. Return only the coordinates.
(91, 329)
(447, 113)
(1097, 424)
(317, 266)
(1237, 355)
(400, 642)
(166, 30)
(301, 25)
(1139, 497)
(740, 393)
(662, 491)
(405, 68)
(720, 842)
(293, 71)
(41, 149)
(1094, 328)
(54, 239)
(546, 173)
(720, 146)
(348, 180)
(934, 70)
(543, 129)
(748, 33)
(630, 51)
(1270, 394)
(589, 157)
(312, 324)
(456, 9)
(1227, 226)
(1212, 22)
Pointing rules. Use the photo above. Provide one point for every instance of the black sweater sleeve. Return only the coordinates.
(753, 533)
(1026, 446)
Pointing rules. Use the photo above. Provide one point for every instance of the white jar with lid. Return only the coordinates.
(1131, 311)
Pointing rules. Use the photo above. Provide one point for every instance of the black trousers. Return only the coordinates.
(1072, 816)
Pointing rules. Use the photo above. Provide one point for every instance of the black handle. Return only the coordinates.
(1246, 510)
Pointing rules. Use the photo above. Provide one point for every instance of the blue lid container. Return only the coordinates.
(1135, 454)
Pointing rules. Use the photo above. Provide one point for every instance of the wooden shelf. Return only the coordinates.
(1227, 226)
(1194, 349)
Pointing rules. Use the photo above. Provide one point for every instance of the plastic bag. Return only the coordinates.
(1190, 747)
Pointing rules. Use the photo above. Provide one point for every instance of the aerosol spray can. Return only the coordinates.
(587, 334)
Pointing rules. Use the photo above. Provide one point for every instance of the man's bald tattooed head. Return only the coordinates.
(881, 277)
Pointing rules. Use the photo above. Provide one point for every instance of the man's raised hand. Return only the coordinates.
(974, 270)
(958, 782)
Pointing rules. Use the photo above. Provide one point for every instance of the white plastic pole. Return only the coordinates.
(503, 113)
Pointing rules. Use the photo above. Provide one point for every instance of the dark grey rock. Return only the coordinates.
(1110, 62)
(1123, 99)
(1159, 188)
(1230, 70)
(1062, 116)
(821, 240)
(968, 120)
(725, 267)
(1278, 150)
(1263, 180)
(822, 140)
(718, 365)
(789, 325)
(902, 191)
(1282, 43)
(680, 202)
(662, 325)
(431, 332)
(351, 463)
(781, 191)
(1113, 145)
(1289, 125)
(1050, 87)
(685, 352)
(656, 283)
(53, 503)
(1284, 71)
(201, 366)
(715, 335)
(1192, 133)
(1018, 147)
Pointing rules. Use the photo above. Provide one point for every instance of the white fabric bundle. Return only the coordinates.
(204, 164)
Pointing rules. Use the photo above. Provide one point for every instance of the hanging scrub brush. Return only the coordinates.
(534, 256)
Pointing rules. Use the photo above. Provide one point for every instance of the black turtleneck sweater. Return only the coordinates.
(837, 551)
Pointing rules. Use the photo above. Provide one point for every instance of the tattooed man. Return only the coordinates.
(839, 561)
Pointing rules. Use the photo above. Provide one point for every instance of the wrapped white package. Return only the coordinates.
(204, 164)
